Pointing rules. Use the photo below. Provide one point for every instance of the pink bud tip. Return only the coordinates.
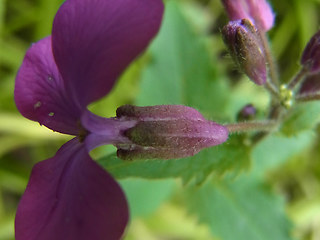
(258, 11)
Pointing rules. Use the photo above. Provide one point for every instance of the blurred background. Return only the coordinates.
(155, 215)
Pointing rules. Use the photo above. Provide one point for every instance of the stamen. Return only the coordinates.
(37, 105)
(286, 95)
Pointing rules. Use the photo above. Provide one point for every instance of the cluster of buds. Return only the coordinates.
(245, 38)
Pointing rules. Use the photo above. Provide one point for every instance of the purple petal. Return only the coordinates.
(71, 197)
(258, 11)
(39, 91)
(262, 13)
(95, 40)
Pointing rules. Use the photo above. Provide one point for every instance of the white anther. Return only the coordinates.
(37, 105)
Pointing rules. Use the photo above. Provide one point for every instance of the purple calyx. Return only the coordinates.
(311, 54)
(246, 48)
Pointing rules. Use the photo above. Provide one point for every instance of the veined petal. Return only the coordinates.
(95, 40)
(258, 11)
(71, 197)
(40, 93)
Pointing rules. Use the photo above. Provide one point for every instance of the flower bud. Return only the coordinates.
(258, 11)
(311, 84)
(166, 132)
(311, 55)
(248, 112)
(246, 48)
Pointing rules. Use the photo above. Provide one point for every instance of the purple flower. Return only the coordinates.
(258, 11)
(70, 196)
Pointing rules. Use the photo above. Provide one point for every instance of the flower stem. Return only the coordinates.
(297, 78)
(308, 97)
(265, 126)
(273, 72)
(273, 90)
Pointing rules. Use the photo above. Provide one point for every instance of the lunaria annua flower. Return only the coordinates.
(246, 48)
(258, 11)
(70, 196)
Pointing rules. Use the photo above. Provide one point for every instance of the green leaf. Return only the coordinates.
(15, 124)
(228, 156)
(146, 196)
(181, 70)
(12, 181)
(276, 149)
(7, 228)
(303, 117)
(243, 209)
(307, 23)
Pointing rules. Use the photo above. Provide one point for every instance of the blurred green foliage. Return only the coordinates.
(234, 191)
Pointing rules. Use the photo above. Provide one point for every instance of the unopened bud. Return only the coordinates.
(248, 112)
(311, 55)
(168, 131)
(311, 84)
(286, 96)
(258, 11)
(246, 48)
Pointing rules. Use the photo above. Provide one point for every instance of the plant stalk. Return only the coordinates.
(308, 97)
(297, 78)
(264, 126)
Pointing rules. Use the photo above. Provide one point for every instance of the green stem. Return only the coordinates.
(273, 90)
(308, 97)
(297, 78)
(273, 72)
(265, 126)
